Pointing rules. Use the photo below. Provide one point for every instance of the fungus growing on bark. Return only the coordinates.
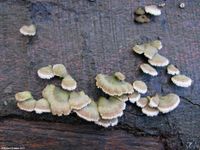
(78, 100)
(139, 49)
(122, 98)
(46, 72)
(68, 83)
(140, 11)
(150, 51)
(113, 86)
(157, 44)
(154, 101)
(146, 68)
(107, 122)
(142, 19)
(149, 111)
(110, 108)
(22, 96)
(28, 30)
(140, 86)
(173, 70)
(134, 97)
(159, 61)
(59, 70)
(42, 106)
(142, 102)
(181, 80)
(120, 76)
(27, 105)
(153, 10)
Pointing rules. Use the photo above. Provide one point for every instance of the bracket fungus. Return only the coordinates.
(157, 44)
(150, 51)
(27, 105)
(173, 70)
(154, 101)
(142, 102)
(68, 83)
(146, 68)
(168, 103)
(149, 111)
(107, 122)
(153, 10)
(59, 70)
(22, 96)
(142, 19)
(122, 98)
(181, 80)
(159, 61)
(42, 106)
(140, 11)
(78, 100)
(89, 112)
(134, 97)
(139, 49)
(28, 30)
(120, 76)
(46, 72)
(140, 86)
(110, 108)
(58, 100)
(113, 86)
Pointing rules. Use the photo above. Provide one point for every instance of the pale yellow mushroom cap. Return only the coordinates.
(159, 61)
(68, 83)
(150, 111)
(120, 76)
(46, 72)
(181, 80)
(140, 86)
(168, 103)
(78, 100)
(146, 68)
(42, 106)
(122, 98)
(139, 49)
(150, 51)
(27, 105)
(107, 122)
(134, 97)
(28, 30)
(110, 108)
(59, 70)
(154, 101)
(173, 70)
(112, 86)
(89, 112)
(153, 10)
(142, 102)
(157, 44)
(22, 96)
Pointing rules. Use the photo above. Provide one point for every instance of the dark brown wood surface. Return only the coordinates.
(91, 38)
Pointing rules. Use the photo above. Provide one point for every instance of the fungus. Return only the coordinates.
(157, 44)
(58, 100)
(27, 105)
(173, 70)
(78, 100)
(154, 101)
(150, 51)
(120, 76)
(107, 122)
(134, 97)
(146, 68)
(28, 30)
(110, 108)
(168, 103)
(142, 19)
(159, 61)
(181, 80)
(46, 72)
(68, 83)
(140, 86)
(59, 70)
(22, 96)
(89, 112)
(113, 86)
(122, 98)
(150, 111)
(42, 106)
(142, 102)
(153, 10)
(139, 49)
(139, 11)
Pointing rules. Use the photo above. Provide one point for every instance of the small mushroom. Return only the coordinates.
(139, 11)
(59, 70)
(134, 97)
(46, 72)
(22, 96)
(122, 98)
(27, 105)
(142, 19)
(28, 30)
(153, 10)
(159, 61)
(150, 111)
(107, 122)
(146, 68)
(78, 100)
(42, 106)
(120, 76)
(154, 101)
(157, 44)
(139, 49)
(68, 83)
(168, 103)
(89, 112)
(142, 102)
(140, 86)
(113, 86)
(58, 100)
(173, 70)
(150, 51)
(110, 108)
(181, 80)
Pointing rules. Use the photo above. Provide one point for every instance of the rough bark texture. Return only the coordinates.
(91, 38)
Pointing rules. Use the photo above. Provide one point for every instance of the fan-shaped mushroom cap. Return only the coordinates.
(58, 100)
(173, 70)
(139, 49)
(107, 122)
(142, 19)
(22, 96)
(112, 86)
(181, 80)
(150, 51)
(154, 101)
(140, 86)
(122, 98)
(27, 105)
(157, 44)
(120, 76)
(78, 100)
(41, 106)
(59, 70)
(134, 97)
(46, 72)
(153, 10)
(142, 102)
(110, 108)
(89, 112)
(68, 83)
(28, 30)
(150, 111)
(140, 11)
(168, 103)
(146, 68)
(159, 61)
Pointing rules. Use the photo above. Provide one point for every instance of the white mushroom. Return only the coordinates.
(22, 96)
(157, 44)
(27, 105)
(140, 86)
(120, 76)
(42, 106)
(146, 68)
(181, 80)
(142, 102)
(150, 111)
(153, 10)
(159, 61)
(46, 72)
(150, 51)
(139, 49)
(134, 97)
(68, 83)
(59, 70)
(28, 30)
(154, 101)
(107, 122)
(173, 70)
